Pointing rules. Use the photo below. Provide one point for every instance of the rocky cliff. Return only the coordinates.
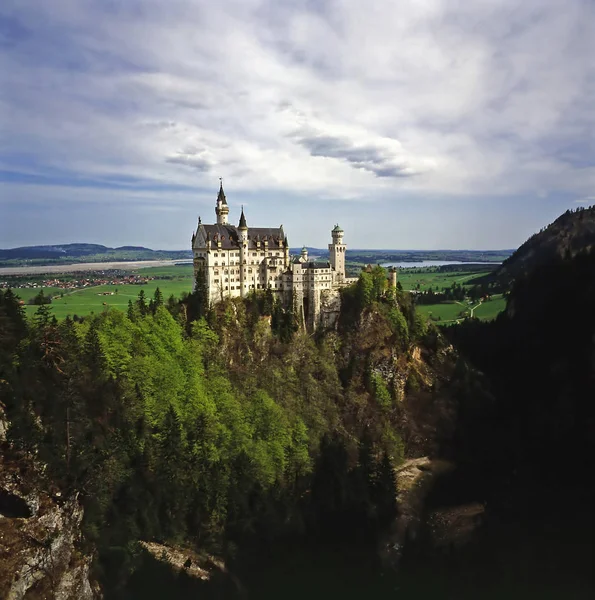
(40, 557)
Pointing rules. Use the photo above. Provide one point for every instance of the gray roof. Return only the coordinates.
(230, 238)
(317, 265)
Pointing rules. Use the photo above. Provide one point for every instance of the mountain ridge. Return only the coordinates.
(571, 233)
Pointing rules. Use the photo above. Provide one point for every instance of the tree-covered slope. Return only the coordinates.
(540, 358)
(186, 425)
(572, 232)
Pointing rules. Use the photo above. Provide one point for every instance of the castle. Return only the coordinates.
(238, 260)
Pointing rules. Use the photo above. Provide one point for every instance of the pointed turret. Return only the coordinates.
(243, 221)
(243, 228)
(222, 210)
(221, 196)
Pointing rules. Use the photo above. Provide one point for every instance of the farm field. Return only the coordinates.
(170, 271)
(490, 309)
(27, 293)
(177, 279)
(448, 312)
(411, 278)
(91, 300)
(444, 312)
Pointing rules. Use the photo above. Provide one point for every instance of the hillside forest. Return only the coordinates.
(228, 428)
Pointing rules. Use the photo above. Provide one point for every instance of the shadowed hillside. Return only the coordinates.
(572, 232)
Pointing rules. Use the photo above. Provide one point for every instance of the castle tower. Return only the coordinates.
(221, 210)
(304, 255)
(337, 253)
(243, 241)
(285, 248)
(392, 277)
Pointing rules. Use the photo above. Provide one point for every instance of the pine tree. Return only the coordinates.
(130, 310)
(42, 316)
(172, 475)
(198, 301)
(142, 303)
(93, 351)
(268, 305)
(157, 299)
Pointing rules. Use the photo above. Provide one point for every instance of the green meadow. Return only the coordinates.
(179, 272)
(426, 279)
(448, 312)
(177, 280)
(490, 309)
(444, 312)
(91, 299)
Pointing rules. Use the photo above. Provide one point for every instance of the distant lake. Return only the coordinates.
(435, 263)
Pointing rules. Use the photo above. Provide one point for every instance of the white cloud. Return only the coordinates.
(335, 98)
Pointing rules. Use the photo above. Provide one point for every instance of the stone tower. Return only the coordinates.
(337, 253)
(222, 210)
(243, 243)
(392, 277)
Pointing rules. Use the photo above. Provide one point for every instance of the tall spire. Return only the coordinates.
(221, 197)
(243, 220)
(221, 210)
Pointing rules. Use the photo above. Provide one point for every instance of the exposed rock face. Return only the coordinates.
(454, 526)
(192, 563)
(39, 534)
(330, 308)
(414, 479)
(443, 528)
(3, 423)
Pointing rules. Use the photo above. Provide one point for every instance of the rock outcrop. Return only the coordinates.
(414, 479)
(441, 528)
(39, 537)
(330, 308)
(193, 564)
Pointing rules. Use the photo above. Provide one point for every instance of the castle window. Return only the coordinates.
(216, 281)
(216, 254)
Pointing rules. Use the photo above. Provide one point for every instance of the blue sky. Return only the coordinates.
(414, 124)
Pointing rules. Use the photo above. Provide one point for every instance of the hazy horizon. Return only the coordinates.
(292, 247)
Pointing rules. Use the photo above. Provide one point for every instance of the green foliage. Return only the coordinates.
(380, 391)
(141, 303)
(40, 299)
(182, 430)
(42, 315)
(398, 325)
(198, 301)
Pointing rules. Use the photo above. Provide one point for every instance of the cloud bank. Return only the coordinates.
(327, 100)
